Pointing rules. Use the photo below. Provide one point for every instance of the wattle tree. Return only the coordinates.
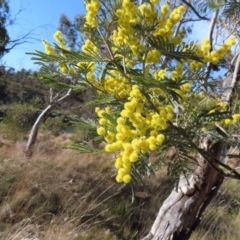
(153, 92)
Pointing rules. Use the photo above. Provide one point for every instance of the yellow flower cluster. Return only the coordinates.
(216, 55)
(185, 88)
(50, 51)
(116, 84)
(138, 128)
(166, 23)
(92, 11)
(125, 33)
(48, 48)
(177, 73)
(149, 12)
(58, 37)
(153, 56)
(128, 14)
(209, 104)
(233, 120)
(211, 56)
(154, 2)
(141, 137)
(90, 48)
(160, 74)
(218, 106)
(63, 67)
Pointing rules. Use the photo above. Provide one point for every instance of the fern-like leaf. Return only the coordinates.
(181, 52)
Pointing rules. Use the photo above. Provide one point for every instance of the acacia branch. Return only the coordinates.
(165, 59)
(185, 20)
(107, 46)
(210, 159)
(208, 156)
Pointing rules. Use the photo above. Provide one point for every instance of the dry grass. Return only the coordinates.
(60, 195)
(222, 218)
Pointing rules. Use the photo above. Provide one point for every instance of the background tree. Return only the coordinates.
(6, 20)
(4, 17)
(147, 81)
(72, 30)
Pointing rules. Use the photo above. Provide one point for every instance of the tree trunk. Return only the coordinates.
(34, 131)
(35, 128)
(181, 212)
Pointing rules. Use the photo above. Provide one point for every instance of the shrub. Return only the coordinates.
(21, 116)
(54, 125)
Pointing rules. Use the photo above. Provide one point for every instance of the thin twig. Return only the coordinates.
(210, 37)
(65, 96)
(107, 46)
(195, 11)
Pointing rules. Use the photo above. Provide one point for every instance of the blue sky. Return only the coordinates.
(41, 17)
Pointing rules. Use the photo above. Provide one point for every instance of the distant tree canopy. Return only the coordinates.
(4, 17)
(71, 30)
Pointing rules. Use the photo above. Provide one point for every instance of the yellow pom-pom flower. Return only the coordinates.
(119, 178)
(101, 131)
(164, 10)
(127, 178)
(133, 156)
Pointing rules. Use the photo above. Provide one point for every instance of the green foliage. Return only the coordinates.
(231, 10)
(183, 51)
(20, 116)
(54, 125)
(216, 4)
(4, 17)
(36, 102)
(21, 85)
(87, 138)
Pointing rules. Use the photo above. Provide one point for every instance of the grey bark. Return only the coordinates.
(54, 102)
(181, 212)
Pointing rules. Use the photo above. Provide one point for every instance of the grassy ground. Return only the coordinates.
(58, 194)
